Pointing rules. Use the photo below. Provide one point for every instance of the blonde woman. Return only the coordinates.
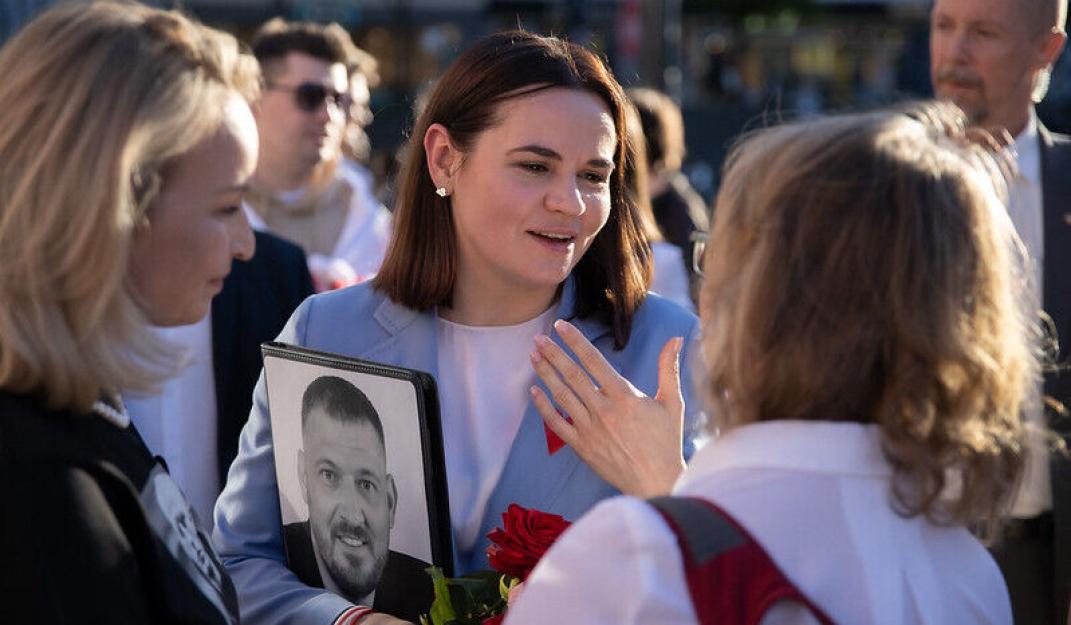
(867, 360)
(125, 143)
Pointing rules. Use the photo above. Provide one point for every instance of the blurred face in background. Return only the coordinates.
(196, 226)
(302, 112)
(985, 56)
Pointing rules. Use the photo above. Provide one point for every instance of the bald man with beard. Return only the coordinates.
(344, 546)
(993, 58)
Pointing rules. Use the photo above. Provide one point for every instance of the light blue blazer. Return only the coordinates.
(363, 323)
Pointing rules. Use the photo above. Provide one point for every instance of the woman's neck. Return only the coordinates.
(489, 305)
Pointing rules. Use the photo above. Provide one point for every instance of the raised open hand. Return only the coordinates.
(631, 440)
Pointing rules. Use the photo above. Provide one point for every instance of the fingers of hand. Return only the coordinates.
(560, 390)
(601, 371)
(554, 420)
(669, 374)
(567, 372)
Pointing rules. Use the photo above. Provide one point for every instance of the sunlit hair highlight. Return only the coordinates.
(97, 101)
(862, 268)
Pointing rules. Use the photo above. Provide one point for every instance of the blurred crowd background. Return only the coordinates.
(731, 64)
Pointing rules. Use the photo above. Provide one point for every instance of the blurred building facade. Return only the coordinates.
(732, 64)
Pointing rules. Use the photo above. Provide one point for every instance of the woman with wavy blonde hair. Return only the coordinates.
(866, 357)
(126, 140)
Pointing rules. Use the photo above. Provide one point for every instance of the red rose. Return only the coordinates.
(528, 534)
(495, 620)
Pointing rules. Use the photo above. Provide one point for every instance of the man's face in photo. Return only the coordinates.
(351, 499)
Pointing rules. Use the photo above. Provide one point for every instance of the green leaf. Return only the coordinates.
(467, 600)
(442, 609)
(506, 584)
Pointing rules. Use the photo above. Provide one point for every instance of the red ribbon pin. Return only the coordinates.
(554, 442)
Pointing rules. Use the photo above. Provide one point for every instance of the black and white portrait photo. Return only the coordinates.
(353, 494)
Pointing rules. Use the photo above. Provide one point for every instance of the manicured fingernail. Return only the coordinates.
(562, 324)
(535, 357)
(541, 340)
(533, 391)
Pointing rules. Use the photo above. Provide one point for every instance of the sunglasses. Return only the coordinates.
(310, 96)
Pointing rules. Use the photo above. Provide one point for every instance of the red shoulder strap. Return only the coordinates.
(731, 578)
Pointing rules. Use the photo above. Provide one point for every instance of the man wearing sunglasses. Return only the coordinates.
(300, 192)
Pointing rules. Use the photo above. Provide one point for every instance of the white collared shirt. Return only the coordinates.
(816, 495)
(179, 423)
(1025, 210)
(670, 278)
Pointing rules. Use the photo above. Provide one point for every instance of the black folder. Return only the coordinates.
(361, 476)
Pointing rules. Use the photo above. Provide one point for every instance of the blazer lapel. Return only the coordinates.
(224, 325)
(412, 341)
(1055, 161)
(1056, 298)
(224, 312)
(532, 477)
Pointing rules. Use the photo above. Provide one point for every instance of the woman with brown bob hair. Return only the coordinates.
(126, 140)
(420, 269)
(867, 357)
(512, 213)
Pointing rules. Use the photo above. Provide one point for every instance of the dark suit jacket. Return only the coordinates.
(257, 298)
(404, 590)
(679, 211)
(1056, 300)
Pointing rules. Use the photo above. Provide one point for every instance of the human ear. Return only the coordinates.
(301, 475)
(443, 157)
(1051, 46)
(392, 498)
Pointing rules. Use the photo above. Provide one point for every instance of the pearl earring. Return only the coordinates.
(442, 192)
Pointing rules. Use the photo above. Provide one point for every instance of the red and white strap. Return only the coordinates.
(352, 615)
